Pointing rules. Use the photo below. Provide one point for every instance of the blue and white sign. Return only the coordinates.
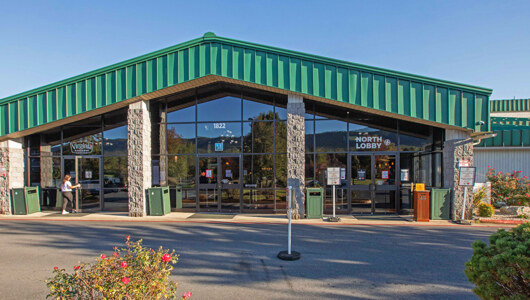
(218, 146)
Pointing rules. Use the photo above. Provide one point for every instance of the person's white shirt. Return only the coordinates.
(66, 187)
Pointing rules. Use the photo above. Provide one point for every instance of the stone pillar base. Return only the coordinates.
(296, 153)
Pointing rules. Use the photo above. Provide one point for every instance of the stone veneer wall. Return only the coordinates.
(457, 147)
(46, 166)
(139, 157)
(12, 158)
(296, 152)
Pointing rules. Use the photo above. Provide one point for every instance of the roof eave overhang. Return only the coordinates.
(212, 79)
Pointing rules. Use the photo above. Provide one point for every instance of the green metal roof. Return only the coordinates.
(510, 105)
(511, 132)
(424, 98)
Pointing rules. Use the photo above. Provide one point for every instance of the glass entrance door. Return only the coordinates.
(219, 183)
(87, 172)
(361, 184)
(373, 183)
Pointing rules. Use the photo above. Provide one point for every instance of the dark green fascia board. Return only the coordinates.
(210, 37)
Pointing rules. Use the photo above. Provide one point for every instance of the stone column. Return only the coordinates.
(12, 159)
(163, 149)
(296, 152)
(139, 156)
(458, 146)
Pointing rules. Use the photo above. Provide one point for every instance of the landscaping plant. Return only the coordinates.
(486, 210)
(509, 187)
(133, 272)
(502, 269)
(478, 197)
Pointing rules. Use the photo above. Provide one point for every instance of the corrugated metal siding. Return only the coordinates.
(510, 105)
(503, 160)
(400, 93)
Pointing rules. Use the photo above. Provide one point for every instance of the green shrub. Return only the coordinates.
(509, 187)
(485, 210)
(479, 196)
(502, 270)
(133, 272)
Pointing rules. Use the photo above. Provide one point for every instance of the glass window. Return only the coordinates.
(186, 114)
(412, 143)
(330, 135)
(281, 137)
(309, 136)
(115, 141)
(364, 138)
(258, 199)
(258, 137)
(310, 171)
(280, 113)
(385, 170)
(34, 171)
(226, 109)
(181, 171)
(258, 171)
(281, 171)
(86, 145)
(222, 137)
(180, 138)
(115, 172)
(257, 111)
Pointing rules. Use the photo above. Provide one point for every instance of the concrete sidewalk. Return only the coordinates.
(207, 217)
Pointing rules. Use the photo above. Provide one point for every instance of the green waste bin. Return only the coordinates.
(25, 200)
(178, 192)
(314, 203)
(440, 204)
(32, 195)
(18, 200)
(159, 203)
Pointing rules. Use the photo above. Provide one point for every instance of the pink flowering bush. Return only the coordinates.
(509, 187)
(133, 272)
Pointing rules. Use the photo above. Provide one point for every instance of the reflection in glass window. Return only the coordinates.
(226, 109)
(87, 145)
(258, 137)
(412, 143)
(115, 172)
(258, 171)
(385, 170)
(115, 141)
(182, 115)
(181, 171)
(281, 171)
(180, 138)
(364, 138)
(281, 136)
(330, 135)
(281, 113)
(309, 136)
(257, 111)
(222, 137)
(309, 171)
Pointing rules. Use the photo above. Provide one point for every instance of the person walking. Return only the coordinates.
(66, 189)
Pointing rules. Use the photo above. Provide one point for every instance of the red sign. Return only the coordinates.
(209, 173)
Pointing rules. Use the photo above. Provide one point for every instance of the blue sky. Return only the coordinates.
(483, 43)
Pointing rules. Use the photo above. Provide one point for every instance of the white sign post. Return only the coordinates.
(334, 180)
(466, 178)
(289, 255)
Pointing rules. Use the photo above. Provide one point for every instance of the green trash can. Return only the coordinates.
(440, 204)
(159, 203)
(25, 200)
(59, 198)
(18, 201)
(314, 203)
(32, 195)
(178, 194)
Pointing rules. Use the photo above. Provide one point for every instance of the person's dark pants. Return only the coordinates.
(67, 196)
